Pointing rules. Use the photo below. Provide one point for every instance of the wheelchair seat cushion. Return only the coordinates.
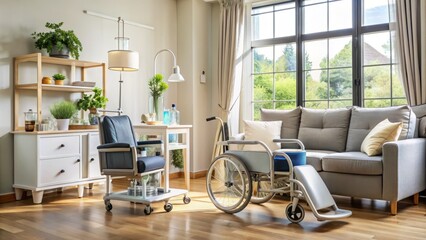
(146, 164)
(297, 158)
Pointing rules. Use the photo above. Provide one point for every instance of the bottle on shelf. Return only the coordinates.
(166, 116)
(174, 120)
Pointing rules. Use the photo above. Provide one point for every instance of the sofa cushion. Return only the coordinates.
(352, 163)
(365, 119)
(324, 129)
(313, 158)
(383, 132)
(290, 122)
(262, 131)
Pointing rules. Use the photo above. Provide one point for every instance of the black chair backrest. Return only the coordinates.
(117, 129)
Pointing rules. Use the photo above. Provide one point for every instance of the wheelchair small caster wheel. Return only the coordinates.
(186, 200)
(296, 216)
(148, 210)
(168, 207)
(108, 206)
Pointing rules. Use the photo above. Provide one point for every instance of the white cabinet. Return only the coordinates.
(49, 160)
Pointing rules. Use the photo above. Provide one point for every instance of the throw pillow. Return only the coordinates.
(385, 131)
(264, 131)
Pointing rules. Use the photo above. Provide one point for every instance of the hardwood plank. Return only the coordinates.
(65, 216)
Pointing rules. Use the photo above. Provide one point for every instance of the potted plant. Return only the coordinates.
(58, 42)
(92, 102)
(177, 158)
(62, 112)
(157, 87)
(59, 79)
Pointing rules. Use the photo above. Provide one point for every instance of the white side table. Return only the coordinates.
(184, 144)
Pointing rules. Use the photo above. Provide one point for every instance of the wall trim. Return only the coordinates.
(7, 197)
(199, 174)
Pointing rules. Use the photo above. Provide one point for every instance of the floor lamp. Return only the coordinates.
(122, 59)
(175, 76)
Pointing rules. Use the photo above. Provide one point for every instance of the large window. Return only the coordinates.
(323, 54)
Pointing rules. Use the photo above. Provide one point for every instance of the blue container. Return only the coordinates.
(166, 116)
(297, 158)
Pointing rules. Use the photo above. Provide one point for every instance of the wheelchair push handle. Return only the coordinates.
(210, 119)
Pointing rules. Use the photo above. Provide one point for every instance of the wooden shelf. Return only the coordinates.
(57, 61)
(51, 87)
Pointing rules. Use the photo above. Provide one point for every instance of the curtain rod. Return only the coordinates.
(115, 19)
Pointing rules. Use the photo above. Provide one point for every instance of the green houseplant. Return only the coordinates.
(157, 87)
(63, 111)
(92, 102)
(177, 158)
(59, 79)
(58, 41)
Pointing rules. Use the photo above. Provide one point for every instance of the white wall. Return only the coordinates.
(19, 18)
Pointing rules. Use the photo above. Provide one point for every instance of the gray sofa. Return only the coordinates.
(333, 140)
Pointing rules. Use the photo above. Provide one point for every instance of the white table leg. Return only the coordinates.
(80, 191)
(37, 196)
(18, 193)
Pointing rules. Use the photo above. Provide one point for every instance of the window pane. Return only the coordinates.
(262, 60)
(262, 26)
(377, 82)
(263, 87)
(376, 48)
(315, 18)
(317, 104)
(340, 104)
(375, 12)
(340, 52)
(377, 103)
(257, 106)
(285, 86)
(309, 2)
(285, 23)
(340, 83)
(399, 102)
(285, 105)
(316, 89)
(315, 54)
(397, 87)
(285, 57)
(340, 15)
(262, 9)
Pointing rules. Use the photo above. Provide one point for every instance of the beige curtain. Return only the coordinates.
(230, 66)
(411, 40)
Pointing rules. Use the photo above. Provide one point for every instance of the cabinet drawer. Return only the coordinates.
(93, 143)
(60, 170)
(59, 146)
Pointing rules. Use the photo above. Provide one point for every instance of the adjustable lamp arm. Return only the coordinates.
(158, 53)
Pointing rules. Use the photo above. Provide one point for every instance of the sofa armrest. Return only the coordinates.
(404, 168)
(238, 137)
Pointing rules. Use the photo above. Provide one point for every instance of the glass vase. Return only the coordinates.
(93, 116)
(156, 105)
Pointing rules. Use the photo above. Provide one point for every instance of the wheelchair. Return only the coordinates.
(237, 177)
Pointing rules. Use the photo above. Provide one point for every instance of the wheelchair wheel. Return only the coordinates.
(296, 216)
(258, 197)
(229, 184)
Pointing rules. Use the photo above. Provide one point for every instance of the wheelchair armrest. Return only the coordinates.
(150, 142)
(114, 147)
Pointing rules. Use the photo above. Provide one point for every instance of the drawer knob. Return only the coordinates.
(92, 159)
(78, 160)
(62, 145)
(62, 171)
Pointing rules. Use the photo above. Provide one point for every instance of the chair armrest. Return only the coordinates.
(404, 168)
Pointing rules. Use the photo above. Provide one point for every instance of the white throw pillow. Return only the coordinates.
(264, 131)
(383, 132)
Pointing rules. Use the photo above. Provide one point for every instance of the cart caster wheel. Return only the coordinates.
(186, 200)
(168, 207)
(296, 216)
(148, 210)
(108, 206)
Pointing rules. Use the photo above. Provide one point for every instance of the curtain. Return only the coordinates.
(411, 50)
(230, 65)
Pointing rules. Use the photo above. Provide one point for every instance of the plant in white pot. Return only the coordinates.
(62, 112)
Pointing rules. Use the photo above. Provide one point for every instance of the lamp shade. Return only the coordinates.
(123, 60)
(176, 76)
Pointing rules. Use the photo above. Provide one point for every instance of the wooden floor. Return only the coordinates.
(65, 216)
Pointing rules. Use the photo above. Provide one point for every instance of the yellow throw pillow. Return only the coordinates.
(384, 131)
(265, 131)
